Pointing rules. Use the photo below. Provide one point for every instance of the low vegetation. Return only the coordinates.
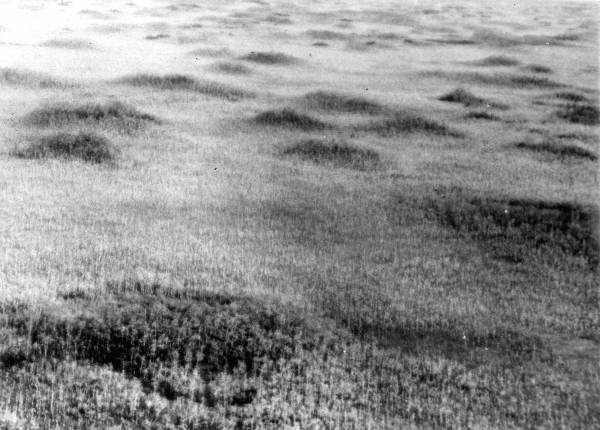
(498, 61)
(69, 44)
(481, 114)
(270, 58)
(537, 68)
(558, 149)
(326, 35)
(186, 83)
(339, 154)
(88, 147)
(570, 96)
(116, 114)
(497, 79)
(289, 118)
(407, 122)
(27, 78)
(232, 68)
(524, 223)
(460, 95)
(331, 101)
(580, 113)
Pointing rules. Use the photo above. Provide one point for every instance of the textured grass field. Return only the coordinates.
(307, 215)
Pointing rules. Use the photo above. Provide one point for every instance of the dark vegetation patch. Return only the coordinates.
(279, 19)
(271, 58)
(232, 68)
(498, 61)
(211, 52)
(537, 68)
(69, 44)
(28, 78)
(503, 39)
(331, 101)
(559, 149)
(451, 41)
(186, 83)
(567, 37)
(124, 117)
(157, 36)
(580, 113)
(523, 223)
(88, 147)
(481, 114)
(570, 96)
(496, 79)
(462, 96)
(289, 118)
(145, 335)
(340, 154)
(407, 122)
(326, 35)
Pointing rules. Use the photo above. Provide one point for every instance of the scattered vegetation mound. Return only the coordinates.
(407, 122)
(496, 79)
(211, 52)
(498, 61)
(570, 96)
(69, 44)
(340, 154)
(115, 113)
(565, 226)
(537, 68)
(232, 68)
(326, 35)
(330, 101)
(157, 36)
(289, 118)
(580, 113)
(28, 78)
(187, 83)
(481, 114)
(271, 58)
(460, 95)
(88, 147)
(561, 150)
(150, 336)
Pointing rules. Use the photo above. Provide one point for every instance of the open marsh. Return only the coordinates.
(259, 214)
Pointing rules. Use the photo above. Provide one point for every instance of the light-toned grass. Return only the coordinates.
(218, 282)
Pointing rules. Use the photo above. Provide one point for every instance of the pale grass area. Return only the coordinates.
(206, 200)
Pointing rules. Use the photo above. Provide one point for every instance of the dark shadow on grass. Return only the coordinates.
(468, 99)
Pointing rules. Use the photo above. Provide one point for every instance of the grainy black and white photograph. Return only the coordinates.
(299, 214)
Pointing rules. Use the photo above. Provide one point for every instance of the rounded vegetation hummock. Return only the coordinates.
(89, 147)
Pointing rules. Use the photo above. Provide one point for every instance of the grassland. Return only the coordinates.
(258, 215)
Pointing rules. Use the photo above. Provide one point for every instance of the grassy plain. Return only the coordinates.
(324, 215)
